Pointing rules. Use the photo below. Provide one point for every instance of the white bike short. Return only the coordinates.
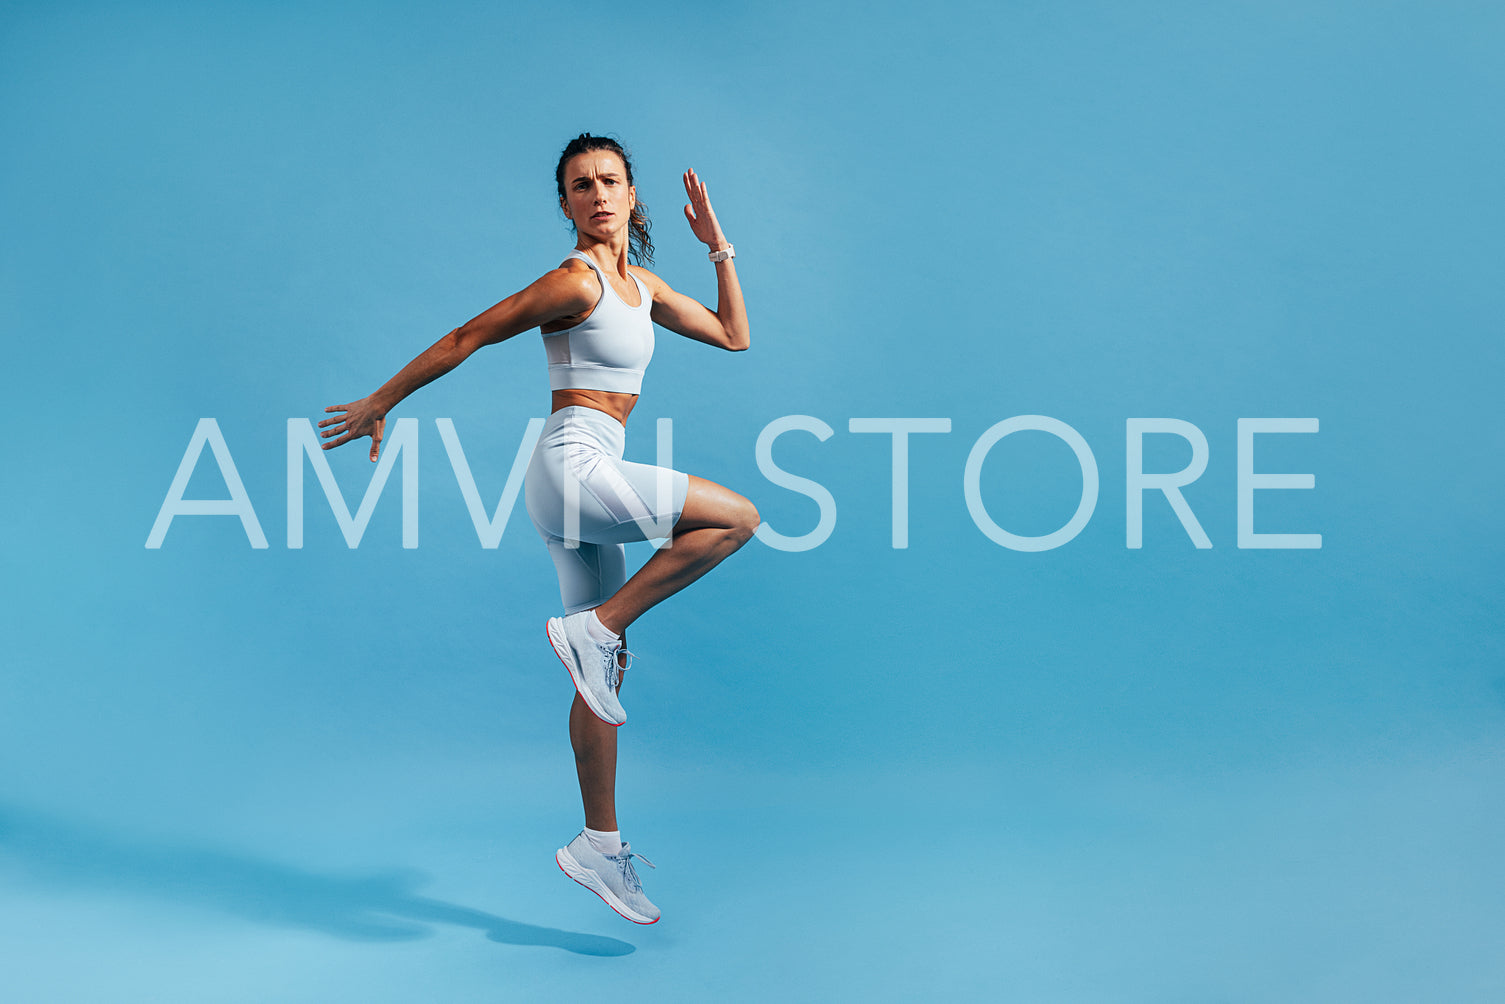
(586, 502)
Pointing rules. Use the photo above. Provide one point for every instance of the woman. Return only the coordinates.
(596, 312)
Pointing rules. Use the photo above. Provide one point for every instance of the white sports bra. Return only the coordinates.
(610, 349)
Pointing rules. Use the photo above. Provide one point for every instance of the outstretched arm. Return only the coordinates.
(559, 294)
(726, 326)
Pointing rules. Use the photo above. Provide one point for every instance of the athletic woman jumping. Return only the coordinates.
(596, 312)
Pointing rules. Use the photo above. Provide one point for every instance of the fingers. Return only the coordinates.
(381, 424)
(700, 196)
(339, 429)
(346, 435)
(699, 214)
(690, 186)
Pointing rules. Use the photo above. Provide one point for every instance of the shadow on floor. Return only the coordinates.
(374, 907)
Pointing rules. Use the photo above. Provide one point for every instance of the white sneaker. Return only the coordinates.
(610, 876)
(592, 665)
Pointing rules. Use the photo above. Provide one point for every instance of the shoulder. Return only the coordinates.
(572, 286)
(574, 270)
(655, 285)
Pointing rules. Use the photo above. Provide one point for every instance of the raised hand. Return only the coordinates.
(358, 418)
(700, 214)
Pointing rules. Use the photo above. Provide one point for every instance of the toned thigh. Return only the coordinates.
(708, 504)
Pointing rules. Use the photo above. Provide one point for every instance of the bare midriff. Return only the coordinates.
(618, 406)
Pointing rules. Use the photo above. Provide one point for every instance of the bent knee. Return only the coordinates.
(714, 507)
(746, 519)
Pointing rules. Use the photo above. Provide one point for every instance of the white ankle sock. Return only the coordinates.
(599, 631)
(605, 842)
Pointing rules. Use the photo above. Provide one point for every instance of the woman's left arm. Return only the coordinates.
(726, 326)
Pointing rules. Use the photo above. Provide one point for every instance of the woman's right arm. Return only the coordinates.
(560, 293)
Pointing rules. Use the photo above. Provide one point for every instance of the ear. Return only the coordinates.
(564, 207)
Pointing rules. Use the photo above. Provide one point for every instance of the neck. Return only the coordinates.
(609, 254)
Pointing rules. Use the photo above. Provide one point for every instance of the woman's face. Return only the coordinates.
(597, 197)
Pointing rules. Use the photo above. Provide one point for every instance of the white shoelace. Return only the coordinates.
(614, 671)
(629, 874)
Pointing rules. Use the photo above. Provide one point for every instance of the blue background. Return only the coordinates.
(952, 771)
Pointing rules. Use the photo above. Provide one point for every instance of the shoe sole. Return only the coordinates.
(567, 864)
(561, 648)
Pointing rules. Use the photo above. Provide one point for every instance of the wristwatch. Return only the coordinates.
(723, 254)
